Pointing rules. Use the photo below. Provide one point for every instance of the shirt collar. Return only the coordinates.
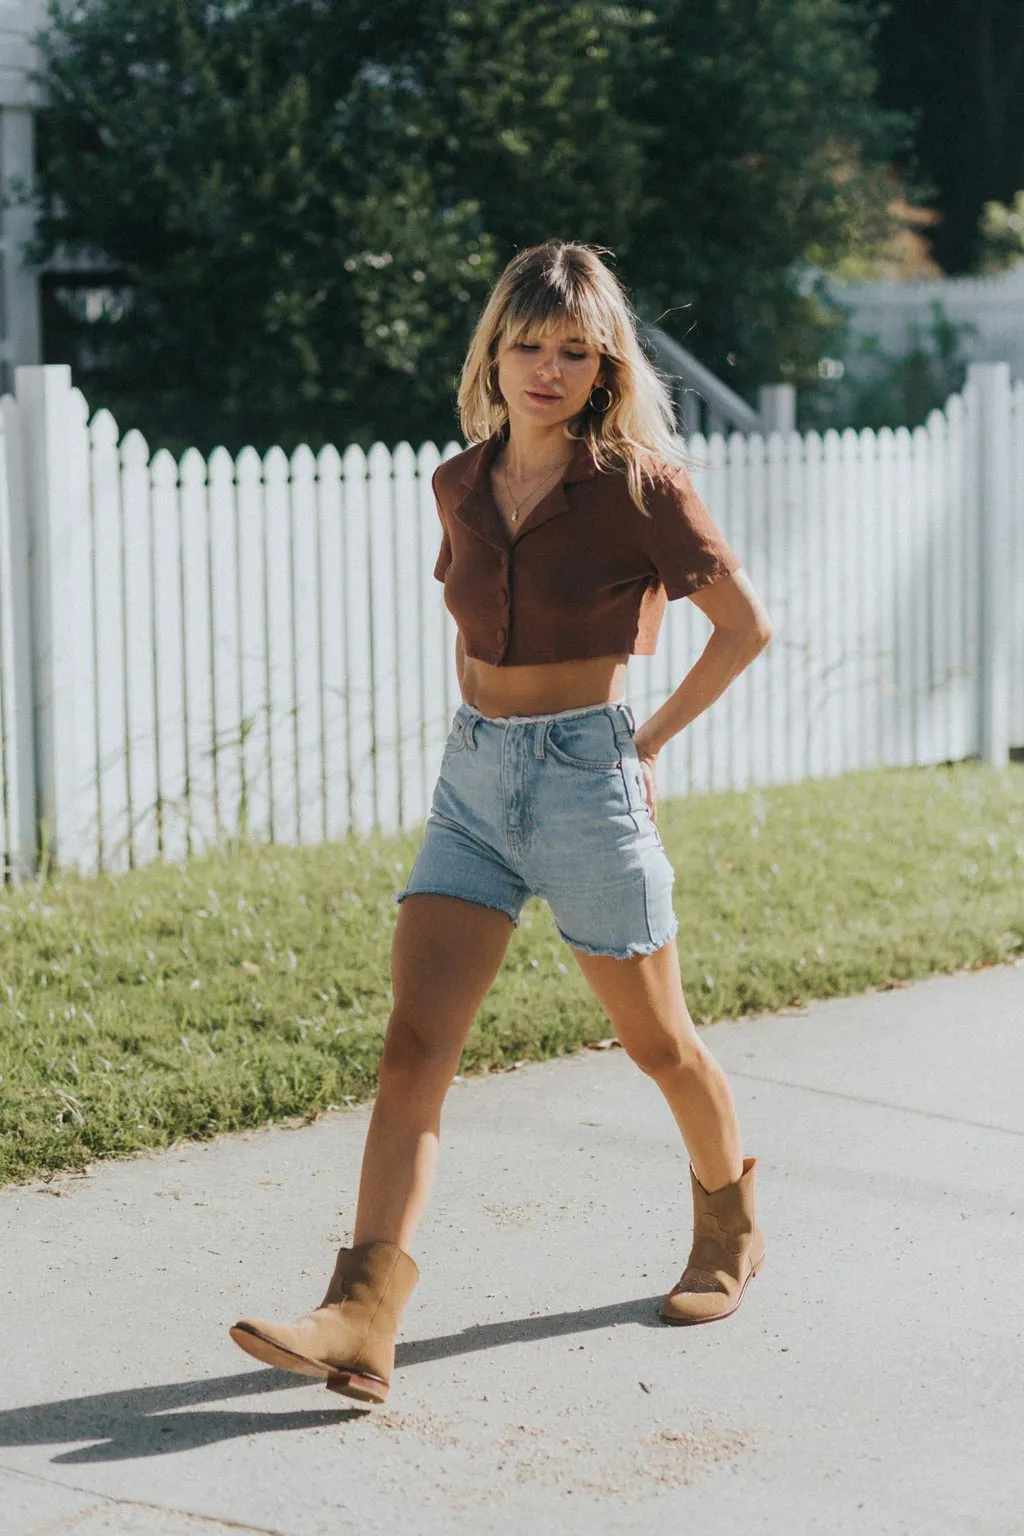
(476, 475)
(478, 510)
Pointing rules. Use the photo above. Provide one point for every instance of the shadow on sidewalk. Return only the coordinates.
(143, 1421)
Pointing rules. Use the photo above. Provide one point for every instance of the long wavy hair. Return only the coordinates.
(564, 281)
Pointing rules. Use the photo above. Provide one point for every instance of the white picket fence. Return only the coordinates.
(196, 649)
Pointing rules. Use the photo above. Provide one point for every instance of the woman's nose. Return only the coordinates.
(549, 366)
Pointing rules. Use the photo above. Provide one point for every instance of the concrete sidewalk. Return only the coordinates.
(872, 1381)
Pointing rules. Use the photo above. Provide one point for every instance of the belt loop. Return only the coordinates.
(623, 724)
(468, 729)
(540, 736)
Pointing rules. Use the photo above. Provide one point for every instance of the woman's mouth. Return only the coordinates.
(543, 395)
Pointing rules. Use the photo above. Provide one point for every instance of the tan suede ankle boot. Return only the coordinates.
(350, 1338)
(728, 1248)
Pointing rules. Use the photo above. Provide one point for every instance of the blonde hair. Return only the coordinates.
(565, 281)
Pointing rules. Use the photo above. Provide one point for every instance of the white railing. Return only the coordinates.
(200, 648)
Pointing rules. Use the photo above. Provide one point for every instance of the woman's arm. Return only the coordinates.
(742, 629)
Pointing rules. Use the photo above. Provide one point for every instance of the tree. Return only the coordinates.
(305, 202)
(958, 66)
(282, 191)
(771, 159)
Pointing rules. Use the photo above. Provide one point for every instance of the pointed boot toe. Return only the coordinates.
(728, 1250)
(349, 1340)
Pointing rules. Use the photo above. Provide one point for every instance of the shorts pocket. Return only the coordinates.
(587, 742)
(456, 739)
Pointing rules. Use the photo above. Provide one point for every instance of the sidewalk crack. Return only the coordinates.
(113, 1498)
(857, 1098)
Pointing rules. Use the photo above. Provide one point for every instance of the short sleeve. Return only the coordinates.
(683, 544)
(444, 558)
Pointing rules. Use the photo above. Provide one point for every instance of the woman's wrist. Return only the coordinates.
(643, 749)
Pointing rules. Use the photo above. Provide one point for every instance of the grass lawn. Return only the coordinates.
(254, 984)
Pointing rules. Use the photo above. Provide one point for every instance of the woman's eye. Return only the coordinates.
(577, 357)
(527, 346)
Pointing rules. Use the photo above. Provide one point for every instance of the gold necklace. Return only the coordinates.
(544, 486)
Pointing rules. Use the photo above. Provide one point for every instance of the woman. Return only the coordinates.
(566, 527)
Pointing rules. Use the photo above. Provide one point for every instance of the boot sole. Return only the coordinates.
(692, 1322)
(366, 1389)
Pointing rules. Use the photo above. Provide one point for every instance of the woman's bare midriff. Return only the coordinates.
(543, 690)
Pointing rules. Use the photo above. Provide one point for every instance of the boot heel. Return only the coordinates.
(365, 1389)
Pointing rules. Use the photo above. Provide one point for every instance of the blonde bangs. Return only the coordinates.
(539, 311)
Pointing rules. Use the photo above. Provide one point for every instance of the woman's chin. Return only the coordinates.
(540, 413)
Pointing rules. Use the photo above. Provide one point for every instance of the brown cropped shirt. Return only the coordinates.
(585, 574)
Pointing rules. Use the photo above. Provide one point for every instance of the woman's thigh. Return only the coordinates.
(643, 998)
(445, 955)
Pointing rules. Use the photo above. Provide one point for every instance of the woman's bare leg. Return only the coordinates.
(643, 998)
(445, 955)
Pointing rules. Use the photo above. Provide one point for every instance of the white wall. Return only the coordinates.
(994, 304)
(19, 19)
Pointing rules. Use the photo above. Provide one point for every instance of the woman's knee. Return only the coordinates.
(665, 1052)
(412, 1061)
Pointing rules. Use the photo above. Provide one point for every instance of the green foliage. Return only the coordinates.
(1002, 235)
(892, 389)
(958, 67)
(769, 162)
(304, 205)
(253, 984)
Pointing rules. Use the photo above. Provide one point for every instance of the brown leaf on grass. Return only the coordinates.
(604, 1045)
(250, 965)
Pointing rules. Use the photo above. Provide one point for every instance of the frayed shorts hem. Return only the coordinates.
(622, 954)
(493, 906)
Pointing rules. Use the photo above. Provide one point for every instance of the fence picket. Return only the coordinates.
(813, 652)
(17, 766)
(108, 587)
(720, 722)
(172, 807)
(792, 585)
(409, 680)
(309, 766)
(961, 691)
(870, 581)
(140, 682)
(197, 621)
(887, 696)
(280, 650)
(334, 697)
(359, 644)
(225, 644)
(256, 819)
(1016, 555)
(433, 662)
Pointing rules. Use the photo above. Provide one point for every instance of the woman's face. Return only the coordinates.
(546, 377)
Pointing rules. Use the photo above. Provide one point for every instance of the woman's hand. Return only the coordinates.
(647, 762)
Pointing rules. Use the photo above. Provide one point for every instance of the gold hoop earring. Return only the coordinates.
(593, 403)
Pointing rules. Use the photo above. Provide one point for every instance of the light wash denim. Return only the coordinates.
(551, 806)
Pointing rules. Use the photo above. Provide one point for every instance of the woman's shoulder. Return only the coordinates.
(663, 472)
(459, 467)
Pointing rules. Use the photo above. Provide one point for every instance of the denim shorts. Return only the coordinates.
(551, 806)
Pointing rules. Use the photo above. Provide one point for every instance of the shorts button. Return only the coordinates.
(501, 634)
